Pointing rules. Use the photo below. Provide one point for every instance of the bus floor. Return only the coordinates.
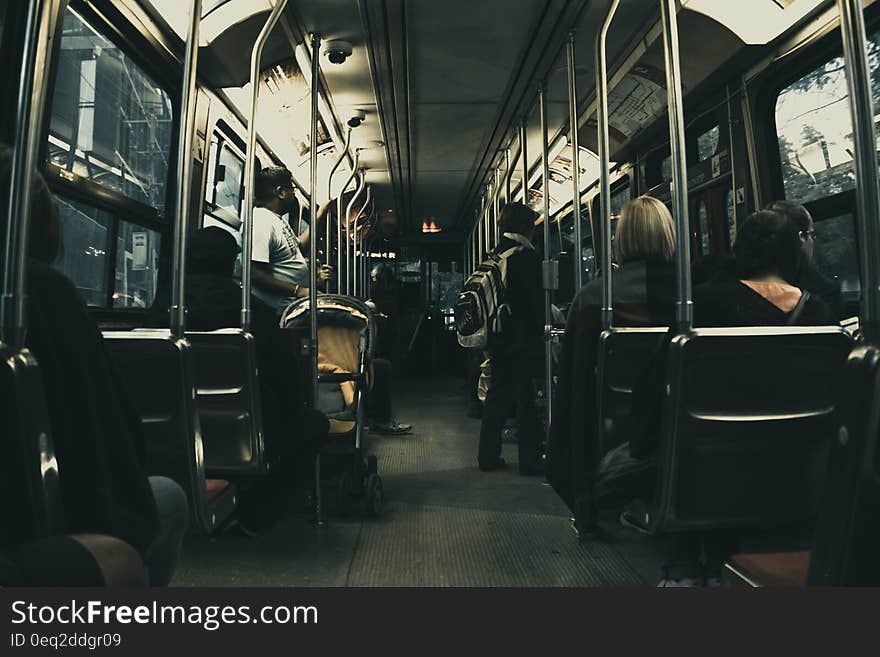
(446, 523)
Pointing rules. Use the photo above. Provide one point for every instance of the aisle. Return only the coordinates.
(447, 523)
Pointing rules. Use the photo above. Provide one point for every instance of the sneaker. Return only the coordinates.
(390, 428)
(682, 576)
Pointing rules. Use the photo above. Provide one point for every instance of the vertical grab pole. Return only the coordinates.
(184, 170)
(26, 145)
(684, 307)
(549, 264)
(362, 178)
(523, 139)
(355, 267)
(497, 206)
(507, 173)
(604, 164)
(327, 232)
(250, 161)
(575, 163)
(852, 29)
(313, 211)
(480, 253)
(352, 176)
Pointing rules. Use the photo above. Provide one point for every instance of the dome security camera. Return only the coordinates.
(337, 51)
(356, 118)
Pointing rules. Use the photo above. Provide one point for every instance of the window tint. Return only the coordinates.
(619, 199)
(110, 122)
(815, 131)
(137, 266)
(666, 169)
(85, 239)
(707, 143)
(835, 254)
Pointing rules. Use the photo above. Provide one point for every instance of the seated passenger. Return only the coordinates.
(809, 278)
(95, 429)
(290, 430)
(759, 293)
(643, 293)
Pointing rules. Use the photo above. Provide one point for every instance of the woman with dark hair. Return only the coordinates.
(763, 291)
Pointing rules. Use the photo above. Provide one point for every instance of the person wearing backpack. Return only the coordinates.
(515, 345)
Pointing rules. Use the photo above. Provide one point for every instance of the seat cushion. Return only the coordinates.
(774, 569)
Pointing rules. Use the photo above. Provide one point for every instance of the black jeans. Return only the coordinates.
(513, 376)
(378, 399)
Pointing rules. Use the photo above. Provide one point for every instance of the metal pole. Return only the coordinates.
(354, 267)
(24, 158)
(496, 207)
(523, 139)
(362, 179)
(575, 163)
(549, 265)
(507, 173)
(480, 252)
(327, 232)
(313, 211)
(250, 160)
(352, 176)
(604, 165)
(852, 29)
(184, 170)
(684, 308)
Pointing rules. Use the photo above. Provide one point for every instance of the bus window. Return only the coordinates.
(112, 125)
(703, 219)
(85, 236)
(707, 143)
(110, 122)
(731, 219)
(229, 190)
(835, 254)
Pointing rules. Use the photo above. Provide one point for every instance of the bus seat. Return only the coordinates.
(228, 401)
(776, 569)
(158, 371)
(28, 469)
(746, 424)
(623, 353)
(847, 539)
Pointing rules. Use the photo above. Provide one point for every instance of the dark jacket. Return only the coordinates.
(827, 289)
(642, 295)
(524, 329)
(96, 431)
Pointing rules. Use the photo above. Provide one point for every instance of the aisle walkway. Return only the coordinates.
(447, 524)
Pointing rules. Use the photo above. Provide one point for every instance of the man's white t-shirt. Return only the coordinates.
(276, 244)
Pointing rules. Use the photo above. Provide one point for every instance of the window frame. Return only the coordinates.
(225, 139)
(148, 54)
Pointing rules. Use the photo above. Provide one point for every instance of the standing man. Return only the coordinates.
(810, 278)
(517, 352)
(280, 271)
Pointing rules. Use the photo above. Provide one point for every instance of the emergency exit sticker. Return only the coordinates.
(138, 251)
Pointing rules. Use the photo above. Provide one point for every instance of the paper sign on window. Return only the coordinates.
(138, 251)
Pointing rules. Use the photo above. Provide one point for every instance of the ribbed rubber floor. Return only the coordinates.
(447, 523)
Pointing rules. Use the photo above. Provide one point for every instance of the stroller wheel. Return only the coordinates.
(375, 495)
(343, 486)
(372, 465)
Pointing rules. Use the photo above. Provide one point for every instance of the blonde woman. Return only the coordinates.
(643, 294)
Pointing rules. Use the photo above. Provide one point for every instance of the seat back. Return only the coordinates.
(158, 372)
(847, 542)
(746, 422)
(622, 358)
(28, 469)
(228, 402)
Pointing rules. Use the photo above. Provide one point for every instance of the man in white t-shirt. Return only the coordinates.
(279, 269)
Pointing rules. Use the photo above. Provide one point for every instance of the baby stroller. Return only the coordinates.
(346, 333)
